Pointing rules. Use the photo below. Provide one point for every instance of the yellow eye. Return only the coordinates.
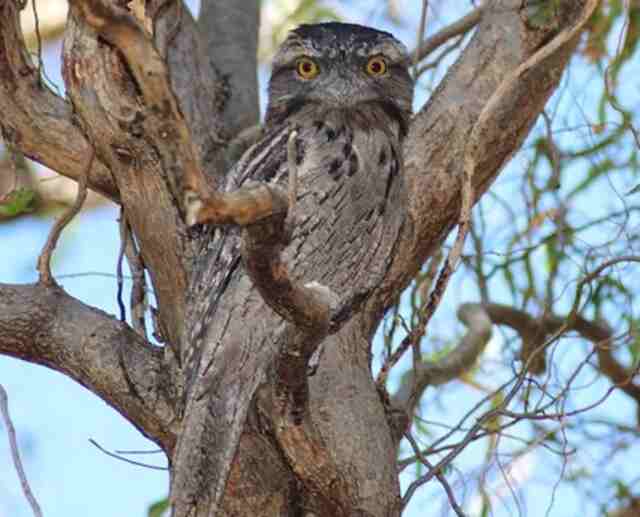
(307, 68)
(376, 66)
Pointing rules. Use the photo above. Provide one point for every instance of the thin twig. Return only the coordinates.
(608, 86)
(123, 242)
(154, 451)
(91, 273)
(121, 458)
(436, 62)
(450, 264)
(15, 453)
(439, 476)
(137, 300)
(451, 366)
(138, 291)
(44, 261)
(462, 26)
(479, 425)
(421, 28)
(38, 39)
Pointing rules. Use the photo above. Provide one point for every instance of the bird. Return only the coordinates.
(346, 92)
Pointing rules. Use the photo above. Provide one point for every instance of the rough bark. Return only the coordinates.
(149, 131)
(223, 26)
(36, 120)
(44, 325)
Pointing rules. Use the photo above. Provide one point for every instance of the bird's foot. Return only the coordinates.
(192, 206)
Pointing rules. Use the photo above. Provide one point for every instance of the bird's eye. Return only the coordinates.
(307, 68)
(376, 66)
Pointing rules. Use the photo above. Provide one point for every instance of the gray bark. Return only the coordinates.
(229, 32)
(341, 459)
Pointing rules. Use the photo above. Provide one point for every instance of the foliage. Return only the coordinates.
(159, 508)
(17, 202)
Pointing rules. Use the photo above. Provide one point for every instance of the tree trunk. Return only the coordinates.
(152, 98)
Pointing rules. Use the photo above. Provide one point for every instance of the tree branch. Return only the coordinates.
(460, 27)
(163, 122)
(478, 113)
(35, 120)
(44, 260)
(138, 297)
(306, 453)
(15, 453)
(123, 93)
(44, 325)
(230, 31)
(454, 364)
(598, 333)
(198, 82)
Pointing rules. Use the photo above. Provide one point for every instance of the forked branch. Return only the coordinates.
(164, 121)
(44, 261)
(44, 325)
(451, 366)
(34, 120)
(596, 332)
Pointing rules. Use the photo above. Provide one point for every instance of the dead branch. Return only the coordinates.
(460, 27)
(15, 453)
(138, 298)
(450, 367)
(44, 261)
(44, 325)
(248, 205)
(597, 332)
(36, 121)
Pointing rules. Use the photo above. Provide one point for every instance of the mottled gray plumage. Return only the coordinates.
(350, 123)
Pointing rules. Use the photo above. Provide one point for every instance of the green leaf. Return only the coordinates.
(634, 345)
(622, 490)
(159, 508)
(17, 202)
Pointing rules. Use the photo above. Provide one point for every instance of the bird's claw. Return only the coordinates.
(192, 205)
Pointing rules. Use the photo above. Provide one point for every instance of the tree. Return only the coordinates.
(155, 99)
